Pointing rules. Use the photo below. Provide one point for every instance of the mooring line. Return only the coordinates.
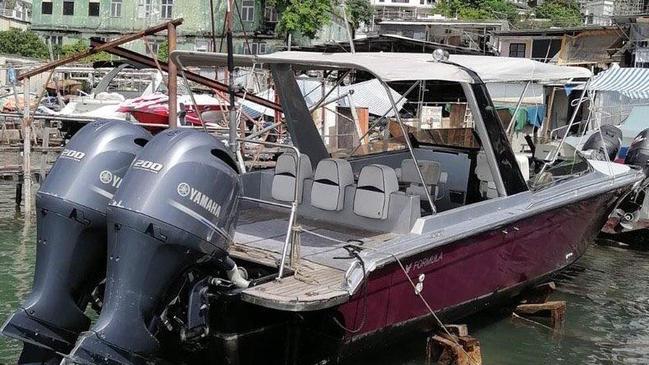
(405, 273)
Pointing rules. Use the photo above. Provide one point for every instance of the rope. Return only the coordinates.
(405, 273)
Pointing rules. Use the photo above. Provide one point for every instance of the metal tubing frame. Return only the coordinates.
(340, 79)
(572, 121)
(406, 137)
(376, 122)
(191, 95)
(510, 127)
(292, 218)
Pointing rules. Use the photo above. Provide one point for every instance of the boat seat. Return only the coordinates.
(483, 171)
(331, 177)
(372, 197)
(430, 170)
(285, 176)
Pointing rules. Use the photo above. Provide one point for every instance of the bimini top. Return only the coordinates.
(400, 66)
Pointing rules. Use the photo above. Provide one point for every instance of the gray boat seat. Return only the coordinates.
(332, 175)
(375, 184)
(483, 171)
(430, 170)
(286, 175)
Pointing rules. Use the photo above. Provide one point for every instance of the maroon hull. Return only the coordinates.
(468, 272)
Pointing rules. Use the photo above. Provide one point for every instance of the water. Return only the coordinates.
(607, 318)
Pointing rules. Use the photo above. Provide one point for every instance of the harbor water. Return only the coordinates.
(607, 319)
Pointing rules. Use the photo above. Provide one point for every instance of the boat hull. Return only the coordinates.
(469, 275)
(459, 279)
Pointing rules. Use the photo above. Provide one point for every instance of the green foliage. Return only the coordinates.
(80, 46)
(163, 51)
(22, 43)
(560, 12)
(478, 9)
(306, 17)
(359, 11)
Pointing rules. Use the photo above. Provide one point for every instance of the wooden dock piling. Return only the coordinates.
(537, 308)
(27, 147)
(457, 349)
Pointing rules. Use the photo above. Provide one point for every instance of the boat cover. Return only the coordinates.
(400, 66)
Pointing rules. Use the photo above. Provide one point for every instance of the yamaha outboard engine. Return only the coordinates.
(638, 152)
(606, 141)
(177, 209)
(71, 237)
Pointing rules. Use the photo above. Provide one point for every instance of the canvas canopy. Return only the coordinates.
(630, 82)
(400, 66)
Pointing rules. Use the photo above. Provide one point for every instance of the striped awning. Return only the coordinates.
(630, 82)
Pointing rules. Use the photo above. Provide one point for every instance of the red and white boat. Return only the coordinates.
(154, 109)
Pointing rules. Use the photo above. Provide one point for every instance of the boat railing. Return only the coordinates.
(291, 232)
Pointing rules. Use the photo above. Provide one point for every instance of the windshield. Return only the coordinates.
(568, 165)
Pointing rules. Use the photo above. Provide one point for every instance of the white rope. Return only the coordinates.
(405, 273)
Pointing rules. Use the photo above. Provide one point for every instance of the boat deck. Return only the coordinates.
(318, 281)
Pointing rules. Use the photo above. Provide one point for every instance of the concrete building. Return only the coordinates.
(403, 9)
(65, 21)
(15, 14)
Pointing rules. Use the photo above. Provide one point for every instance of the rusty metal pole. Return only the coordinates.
(27, 148)
(173, 78)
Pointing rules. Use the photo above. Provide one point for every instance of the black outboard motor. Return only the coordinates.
(177, 208)
(71, 237)
(638, 153)
(607, 140)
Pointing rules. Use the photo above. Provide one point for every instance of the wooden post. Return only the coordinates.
(457, 349)
(45, 145)
(27, 147)
(173, 78)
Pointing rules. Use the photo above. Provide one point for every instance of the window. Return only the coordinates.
(116, 8)
(46, 7)
(55, 40)
(93, 8)
(248, 10)
(255, 48)
(19, 11)
(517, 50)
(68, 8)
(270, 14)
(167, 9)
(145, 9)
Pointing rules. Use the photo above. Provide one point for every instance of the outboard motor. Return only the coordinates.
(605, 141)
(638, 152)
(71, 238)
(177, 209)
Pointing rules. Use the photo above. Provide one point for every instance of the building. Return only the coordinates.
(601, 12)
(66, 21)
(15, 14)
(402, 9)
(636, 49)
(597, 46)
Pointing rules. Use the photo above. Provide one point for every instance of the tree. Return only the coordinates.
(306, 17)
(478, 9)
(560, 12)
(81, 46)
(22, 43)
(359, 11)
(163, 51)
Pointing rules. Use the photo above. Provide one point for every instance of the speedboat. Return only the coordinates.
(322, 255)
